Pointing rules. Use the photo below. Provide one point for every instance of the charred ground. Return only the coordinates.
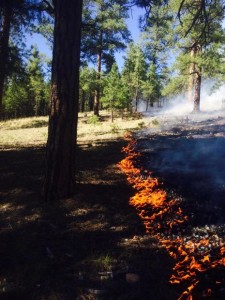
(188, 158)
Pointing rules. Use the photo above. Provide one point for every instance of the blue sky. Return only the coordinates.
(133, 22)
(133, 27)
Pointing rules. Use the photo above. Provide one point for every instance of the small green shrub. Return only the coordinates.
(114, 128)
(136, 115)
(35, 124)
(95, 120)
(141, 125)
(103, 262)
(155, 122)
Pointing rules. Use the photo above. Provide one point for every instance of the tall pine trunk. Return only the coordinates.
(98, 77)
(191, 77)
(83, 98)
(197, 81)
(4, 52)
(136, 100)
(61, 144)
(147, 104)
(197, 92)
(91, 102)
(112, 110)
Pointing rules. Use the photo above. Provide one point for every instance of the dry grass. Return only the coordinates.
(23, 132)
(33, 131)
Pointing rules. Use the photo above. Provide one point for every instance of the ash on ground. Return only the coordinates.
(187, 154)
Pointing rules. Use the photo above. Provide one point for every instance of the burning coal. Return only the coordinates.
(199, 253)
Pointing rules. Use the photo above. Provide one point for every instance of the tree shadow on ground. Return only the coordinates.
(47, 248)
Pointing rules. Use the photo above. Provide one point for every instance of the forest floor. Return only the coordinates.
(92, 245)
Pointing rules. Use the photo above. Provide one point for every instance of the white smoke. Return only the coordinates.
(178, 106)
(187, 150)
(211, 101)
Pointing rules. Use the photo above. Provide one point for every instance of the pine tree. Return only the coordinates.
(27, 90)
(134, 72)
(115, 93)
(87, 87)
(199, 31)
(38, 88)
(151, 87)
(156, 40)
(15, 16)
(104, 33)
(62, 131)
(16, 94)
(16, 98)
(157, 34)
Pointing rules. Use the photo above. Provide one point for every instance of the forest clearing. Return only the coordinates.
(94, 245)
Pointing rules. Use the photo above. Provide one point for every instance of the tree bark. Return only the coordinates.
(112, 111)
(83, 97)
(147, 104)
(112, 115)
(197, 81)
(91, 102)
(136, 100)
(98, 77)
(191, 78)
(4, 52)
(62, 131)
(197, 92)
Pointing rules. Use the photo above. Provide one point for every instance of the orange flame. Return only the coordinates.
(153, 206)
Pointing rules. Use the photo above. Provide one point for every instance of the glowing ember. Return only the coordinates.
(160, 215)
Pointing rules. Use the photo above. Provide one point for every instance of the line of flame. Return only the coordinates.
(153, 205)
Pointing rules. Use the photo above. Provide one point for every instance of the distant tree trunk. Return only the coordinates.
(83, 101)
(36, 106)
(4, 51)
(191, 78)
(136, 100)
(147, 104)
(62, 131)
(98, 76)
(197, 92)
(112, 110)
(91, 102)
(112, 115)
(197, 81)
